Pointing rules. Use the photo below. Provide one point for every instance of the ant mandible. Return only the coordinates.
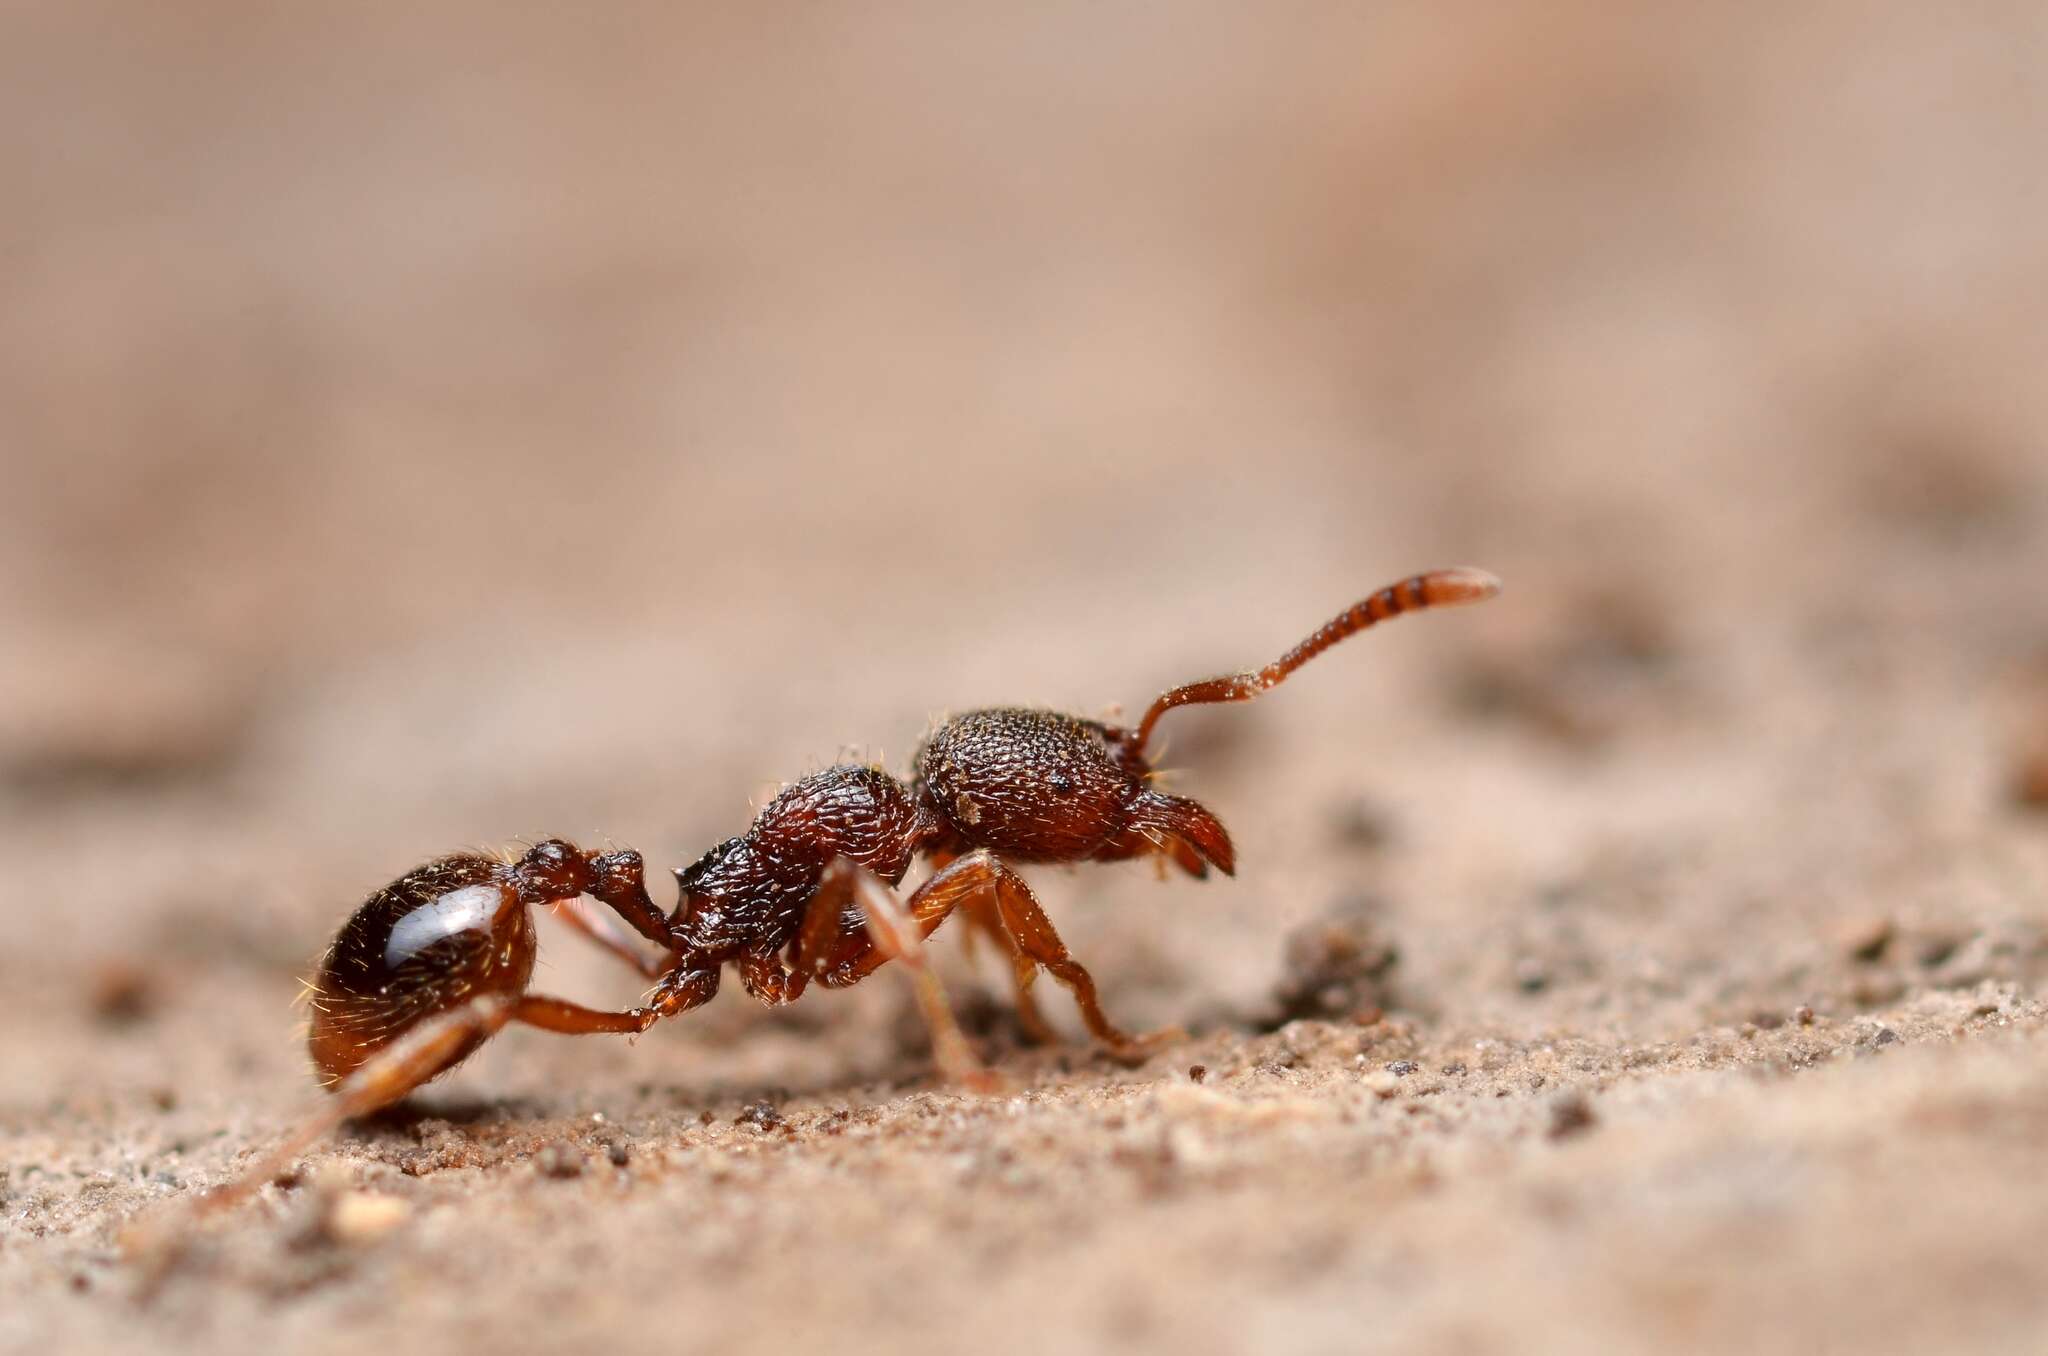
(438, 961)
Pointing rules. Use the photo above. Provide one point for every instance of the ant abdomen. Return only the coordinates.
(438, 937)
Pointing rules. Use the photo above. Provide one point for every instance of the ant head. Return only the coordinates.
(446, 934)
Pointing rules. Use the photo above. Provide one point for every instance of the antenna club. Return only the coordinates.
(1460, 584)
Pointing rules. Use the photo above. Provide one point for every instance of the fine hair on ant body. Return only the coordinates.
(435, 963)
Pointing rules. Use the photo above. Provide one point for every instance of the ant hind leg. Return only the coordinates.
(416, 1058)
(608, 935)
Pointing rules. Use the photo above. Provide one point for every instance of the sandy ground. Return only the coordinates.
(432, 428)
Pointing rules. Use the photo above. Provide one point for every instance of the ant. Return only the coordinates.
(437, 962)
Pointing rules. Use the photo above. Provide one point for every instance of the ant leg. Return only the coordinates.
(983, 918)
(602, 930)
(1030, 933)
(837, 949)
(764, 976)
(830, 951)
(573, 1019)
(899, 935)
(386, 1077)
(422, 1054)
(983, 921)
(1036, 938)
(831, 937)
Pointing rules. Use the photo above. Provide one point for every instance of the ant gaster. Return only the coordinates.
(435, 963)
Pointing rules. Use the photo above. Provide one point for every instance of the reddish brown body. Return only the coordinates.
(433, 964)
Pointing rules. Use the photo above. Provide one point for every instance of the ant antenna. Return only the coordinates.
(1436, 588)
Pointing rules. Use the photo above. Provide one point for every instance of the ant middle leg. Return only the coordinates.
(984, 919)
(854, 924)
(899, 935)
(1030, 934)
(842, 950)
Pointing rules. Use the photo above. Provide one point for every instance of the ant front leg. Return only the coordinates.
(1037, 940)
(981, 876)
(765, 977)
(984, 922)
(838, 951)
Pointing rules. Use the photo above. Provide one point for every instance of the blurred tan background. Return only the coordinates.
(428, 426)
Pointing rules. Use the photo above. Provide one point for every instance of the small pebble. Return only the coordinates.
(1401, 1068)
(618, 1153)
(1570, 1114)
(359, 1217)
(559, 1160)
(1361, 824)
(2029, 776)
(1865, 939)
(1198, 1073)
(1936, 947)
(122, 993)
(1885, 1036)
(1803, 1015)
(760, 1115)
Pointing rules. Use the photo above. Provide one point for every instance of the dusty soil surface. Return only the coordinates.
(431, 429)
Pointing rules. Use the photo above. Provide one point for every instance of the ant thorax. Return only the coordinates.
(750, 892)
